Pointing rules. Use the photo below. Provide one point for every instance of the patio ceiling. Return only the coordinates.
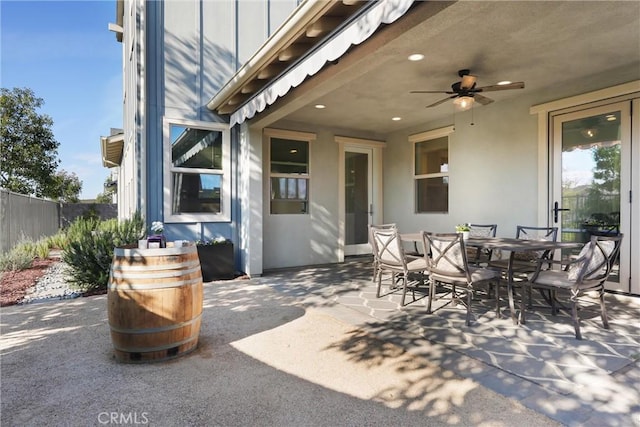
(559, 48)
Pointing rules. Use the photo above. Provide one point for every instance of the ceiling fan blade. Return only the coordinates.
(432, 91)
(482, 99)
(441, 101)
(468, 81)
(516, 85)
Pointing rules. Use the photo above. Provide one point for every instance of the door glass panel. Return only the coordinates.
(356, 198)
(591, 149)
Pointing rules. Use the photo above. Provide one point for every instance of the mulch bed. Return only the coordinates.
(14, 284)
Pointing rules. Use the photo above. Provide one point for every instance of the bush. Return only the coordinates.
(16, 260)
(23, 253)
(79, 228)
(58, 240)
(90, 252)
(41, 248)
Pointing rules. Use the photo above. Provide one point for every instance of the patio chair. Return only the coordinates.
(391, 259)
(373, 247)
(479, 256)
(587, 273)
(448, 265)
(525, 262)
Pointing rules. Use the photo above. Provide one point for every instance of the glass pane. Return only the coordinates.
(591, 177)
(288, 156)
(196, 148)
(302, 189)
(289, 195)
(196, 193)
(432, 156)
(356, 198)
(432, 194)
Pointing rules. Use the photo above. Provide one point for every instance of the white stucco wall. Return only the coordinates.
(492, 171)
(305, 239)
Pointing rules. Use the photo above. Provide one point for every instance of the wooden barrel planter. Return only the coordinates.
(155, 303)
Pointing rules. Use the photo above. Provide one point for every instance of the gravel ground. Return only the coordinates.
(53, 285)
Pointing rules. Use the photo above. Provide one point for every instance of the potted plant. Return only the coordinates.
(464, 229)
(157, 227)
(216, 258)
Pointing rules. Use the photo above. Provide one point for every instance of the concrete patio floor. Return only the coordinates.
(594, 381)
(314, 347)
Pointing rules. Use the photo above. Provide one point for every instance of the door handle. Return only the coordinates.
(556, 209)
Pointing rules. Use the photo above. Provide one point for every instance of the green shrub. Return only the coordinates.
(89, 258)
(90, 252)
(41, 248)
(16, 260)
(25, 246)
(58, 240)
(21, 256)
(80, 227)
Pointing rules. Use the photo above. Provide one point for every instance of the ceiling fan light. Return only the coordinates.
(464, 102)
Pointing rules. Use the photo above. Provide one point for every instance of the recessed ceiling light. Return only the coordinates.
(504, 82)
(293, 151)
(416, 57)
(396, 119)
(320, 106)
(611, 118)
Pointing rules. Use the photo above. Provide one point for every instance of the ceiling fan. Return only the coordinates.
(465, 93)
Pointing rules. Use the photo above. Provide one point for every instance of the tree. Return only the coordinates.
(604, 193)
(110, 188)
(64, 186)
(606, 172)
(28, 149)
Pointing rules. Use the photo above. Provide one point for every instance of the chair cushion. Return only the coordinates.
(558, 279)
(452, 262)
(481, 274)
(418, 264)
(594, 263)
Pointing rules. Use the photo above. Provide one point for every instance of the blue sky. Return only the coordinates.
(64, 52)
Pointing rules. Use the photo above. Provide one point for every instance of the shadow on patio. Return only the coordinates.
(264, 358)
(541, 364)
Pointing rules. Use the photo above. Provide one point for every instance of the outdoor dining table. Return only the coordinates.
(512, 246)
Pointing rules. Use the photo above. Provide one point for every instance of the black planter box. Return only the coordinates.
(217, 261)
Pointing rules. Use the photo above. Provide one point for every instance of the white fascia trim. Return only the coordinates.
(585, 98)
(431, 134)
(289, 134)
(359, 142)
(359, 30)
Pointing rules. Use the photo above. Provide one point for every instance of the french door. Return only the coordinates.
(358, 199)
(592, 181)
(360, 195)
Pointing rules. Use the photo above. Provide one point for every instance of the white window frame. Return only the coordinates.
(295, 136)
(225, 189)
(426, 137)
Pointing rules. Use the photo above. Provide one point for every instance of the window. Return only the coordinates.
(431, 170)
(289, 172)
(198, 175)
